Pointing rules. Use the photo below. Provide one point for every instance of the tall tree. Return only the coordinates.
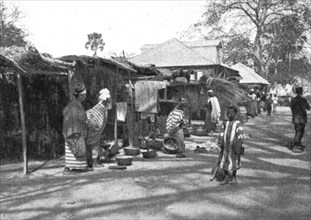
(226, 19)
(286, 38)
(95, 42)
(10, 33)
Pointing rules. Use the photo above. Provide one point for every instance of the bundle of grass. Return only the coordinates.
(228, 91)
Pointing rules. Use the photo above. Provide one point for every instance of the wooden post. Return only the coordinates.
(21, 107)
(116, 119)
(131, 116)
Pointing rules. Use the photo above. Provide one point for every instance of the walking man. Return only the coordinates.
(298, 106)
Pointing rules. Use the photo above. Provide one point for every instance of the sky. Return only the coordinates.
(61, 27)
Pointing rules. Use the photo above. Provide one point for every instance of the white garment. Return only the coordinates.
(216, 112)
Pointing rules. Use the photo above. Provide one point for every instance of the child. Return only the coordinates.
(230, 141)
(269, 103)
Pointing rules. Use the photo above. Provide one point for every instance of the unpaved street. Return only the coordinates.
(274, 183)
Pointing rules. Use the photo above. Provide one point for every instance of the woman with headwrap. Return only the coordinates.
(74, 131)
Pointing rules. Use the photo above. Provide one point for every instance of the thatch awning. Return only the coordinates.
(91, 61)
(8, 65)
(31, 61)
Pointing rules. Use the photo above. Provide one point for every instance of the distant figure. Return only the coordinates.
(252, 104)
(174, 123)
(263, 100)
(298, 106)
(230, 143)
(269, 103)
(213, 111)
(275, 102)
(258, 96)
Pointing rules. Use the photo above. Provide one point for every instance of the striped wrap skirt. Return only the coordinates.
(72, 162)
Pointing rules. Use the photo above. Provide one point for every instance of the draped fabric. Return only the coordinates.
(74, 119)
(230, 140)
(174, 121)
(215, 114)
(121, 111)
(146, 95)
(96, 122)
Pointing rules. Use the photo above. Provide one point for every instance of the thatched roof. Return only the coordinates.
(248, 75)
(91, 61)
(172, 53)
(30, 61)
(7, 64)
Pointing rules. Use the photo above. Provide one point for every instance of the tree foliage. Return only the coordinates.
(10, 33)
(246, 28)
(95, 42)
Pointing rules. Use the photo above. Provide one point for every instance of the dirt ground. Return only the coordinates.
(274, 183)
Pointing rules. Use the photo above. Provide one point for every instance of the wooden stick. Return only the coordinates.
(21, 107)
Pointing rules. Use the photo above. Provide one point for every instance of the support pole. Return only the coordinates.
(131, 116)
(21, 108)
(116, 119)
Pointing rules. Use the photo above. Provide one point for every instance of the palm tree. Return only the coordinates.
(95, 42)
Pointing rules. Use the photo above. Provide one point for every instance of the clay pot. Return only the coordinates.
(124, 160)
(131, 151)
(171, 144)
(200, 131)
(149, 154)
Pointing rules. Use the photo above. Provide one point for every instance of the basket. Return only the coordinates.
(149, 154)
(124, 160)
(171, 144)
(131, 151)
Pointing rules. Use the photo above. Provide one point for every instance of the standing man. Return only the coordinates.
(298, 106)
(213, 111)
(174, 124)
(96, 122)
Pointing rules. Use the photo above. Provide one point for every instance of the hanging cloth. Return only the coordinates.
(121, 110)
(146, 95)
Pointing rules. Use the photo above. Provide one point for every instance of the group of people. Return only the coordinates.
(260, 101)
(230, 138)
(82, 130)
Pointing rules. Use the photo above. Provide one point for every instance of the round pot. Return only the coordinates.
(200, 131)
(171, 144)
(124, 160)
(131, 151)
(149, 154)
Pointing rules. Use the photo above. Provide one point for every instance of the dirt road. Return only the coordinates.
(274, 183)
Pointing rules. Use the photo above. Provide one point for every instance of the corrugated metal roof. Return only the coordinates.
(172, 53)
(202, 43)
(197, 43)
(249, 76)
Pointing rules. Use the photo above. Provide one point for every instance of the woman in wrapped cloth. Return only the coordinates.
(96, 122)
(74, 131)
(230, 142)
(174, 129)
